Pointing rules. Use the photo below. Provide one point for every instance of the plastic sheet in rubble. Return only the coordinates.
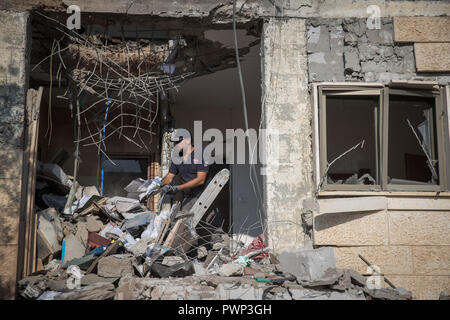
(145, 188)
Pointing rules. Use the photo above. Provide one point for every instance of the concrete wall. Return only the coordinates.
(287, 111)
(346, 50)
(13, 85)
(408, 241)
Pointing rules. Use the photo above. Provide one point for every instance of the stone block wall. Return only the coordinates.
(411, 247)
(346, 50)
(13, 85)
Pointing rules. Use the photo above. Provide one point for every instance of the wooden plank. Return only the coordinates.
(173, 233)
(357, 204)
(418, 204)
(422, 29)
(432, 57)
(33, 155)
(27, 248)
(163, 231)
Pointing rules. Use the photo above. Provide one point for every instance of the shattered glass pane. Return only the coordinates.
(412, 148)
(349, 121)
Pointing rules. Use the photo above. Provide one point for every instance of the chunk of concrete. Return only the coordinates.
(172, 260)
(356, 278)
(230, 270)
(96, 291)
(383, 294)
(82, 232)
(48, 233)
(74, 248)
(307, 264)
(94, 224)
(329, 277)
(115, 266)
(93, 278)
(309, 294)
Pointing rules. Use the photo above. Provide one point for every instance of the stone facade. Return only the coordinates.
(287, 112)
(410, 245)
(13, 83)
(346, 50)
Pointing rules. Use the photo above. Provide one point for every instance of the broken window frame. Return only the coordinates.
(352, 91)
(382, 127)
(439, 144)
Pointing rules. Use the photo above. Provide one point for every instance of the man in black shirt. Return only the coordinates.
(192, 172)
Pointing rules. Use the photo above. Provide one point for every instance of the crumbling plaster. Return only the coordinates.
(14, 46)
(221, 11)
(346, 50)
(287, 112)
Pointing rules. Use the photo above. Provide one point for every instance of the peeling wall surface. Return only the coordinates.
(13, 82)
(408, 240)
(346, 50)
(287, 112)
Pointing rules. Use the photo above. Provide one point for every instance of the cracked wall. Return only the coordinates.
(346, 50)
(13, 85)
(287, 111)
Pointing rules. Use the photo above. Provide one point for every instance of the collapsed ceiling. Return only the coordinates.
(114, 71)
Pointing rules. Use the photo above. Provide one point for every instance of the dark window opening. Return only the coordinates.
(117, 177)
(350, 120)
(412, 155)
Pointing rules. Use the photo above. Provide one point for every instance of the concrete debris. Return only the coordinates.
(94, 224)
(49, 234)
(73, 248)
(115, 266)
(172, 260)
(308, 265)
(176, 270)
(96, 291)
(117, 248)
(231, 269)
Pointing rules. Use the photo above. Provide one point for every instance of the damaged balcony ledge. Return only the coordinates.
(433, 194)
(380, 203)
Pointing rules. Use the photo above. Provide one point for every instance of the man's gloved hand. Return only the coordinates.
(168, 188)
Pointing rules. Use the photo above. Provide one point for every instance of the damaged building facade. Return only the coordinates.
(359, 98)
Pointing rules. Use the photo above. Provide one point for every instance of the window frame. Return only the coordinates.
(382, 127)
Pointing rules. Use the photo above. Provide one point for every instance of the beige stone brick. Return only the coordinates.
(422, 29)
(8, 260)
(431, 260)
(390, 259)
(11, 163)
(432, 56)
(419, 228)
(351, 229)
(9, 227)
(422, 287)
(10, 190)
(7, 288)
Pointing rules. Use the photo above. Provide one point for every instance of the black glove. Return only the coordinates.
(168, 188)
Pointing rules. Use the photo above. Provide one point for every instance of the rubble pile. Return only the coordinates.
(93, 247)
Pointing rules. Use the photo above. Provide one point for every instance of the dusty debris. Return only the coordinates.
(117, 247)
(96, 291)
(115, 266)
